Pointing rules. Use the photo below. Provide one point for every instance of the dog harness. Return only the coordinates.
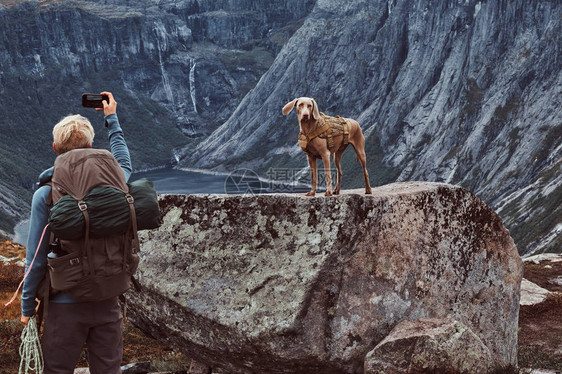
(326, 128)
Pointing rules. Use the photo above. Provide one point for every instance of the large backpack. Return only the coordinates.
(92, 268)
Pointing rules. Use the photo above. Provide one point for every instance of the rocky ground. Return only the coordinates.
(540, 322)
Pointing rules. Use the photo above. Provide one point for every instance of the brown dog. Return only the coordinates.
(321, 136)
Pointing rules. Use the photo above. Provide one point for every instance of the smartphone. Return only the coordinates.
(93, 100)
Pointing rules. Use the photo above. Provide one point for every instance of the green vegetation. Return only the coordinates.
(7, 223)
(499, 119)
(548, 143)
(546, 211)
(31, 107)
(502, 112)
(281, 36)
(473, 97)
(514, 139)
(255, 59)
(452, 153)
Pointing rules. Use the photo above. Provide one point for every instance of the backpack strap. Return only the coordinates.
(43, 294)
(49, 199)
(86, 247)
(131, 201)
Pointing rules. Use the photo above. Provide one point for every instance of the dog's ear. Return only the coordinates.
(289, 106)
(315, 111)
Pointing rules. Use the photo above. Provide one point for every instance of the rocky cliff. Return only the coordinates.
(196, 58)
(178, 70)
(464, 92)
(284, 283)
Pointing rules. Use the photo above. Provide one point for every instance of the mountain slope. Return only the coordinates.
(177, 69)
(464, 92)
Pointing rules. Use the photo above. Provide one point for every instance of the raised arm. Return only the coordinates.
(117, 141)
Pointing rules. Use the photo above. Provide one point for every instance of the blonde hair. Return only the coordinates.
(73, 132)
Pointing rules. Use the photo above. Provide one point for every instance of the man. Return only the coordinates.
(71, 324)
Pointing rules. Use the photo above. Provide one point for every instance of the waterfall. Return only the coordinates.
(192, 65)
(160, 32)
(176, 155)
(38, 68)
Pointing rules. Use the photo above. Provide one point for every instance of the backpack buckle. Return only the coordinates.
(82, 206)
(130, 198)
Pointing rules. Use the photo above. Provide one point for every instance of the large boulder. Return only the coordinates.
(286, 283)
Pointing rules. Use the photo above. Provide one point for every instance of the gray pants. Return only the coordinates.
(68, 327)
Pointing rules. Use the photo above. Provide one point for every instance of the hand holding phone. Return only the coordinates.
(102, 101)
(94, 100)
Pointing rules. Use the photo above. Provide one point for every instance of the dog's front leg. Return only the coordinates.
(313, 175)
(337, 161)
(327, 172)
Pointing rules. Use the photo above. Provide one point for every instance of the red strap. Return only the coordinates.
(29, 269)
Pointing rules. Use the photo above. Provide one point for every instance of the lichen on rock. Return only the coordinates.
(287, 283)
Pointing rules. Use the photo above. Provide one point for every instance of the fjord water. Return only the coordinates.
(174, 181)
